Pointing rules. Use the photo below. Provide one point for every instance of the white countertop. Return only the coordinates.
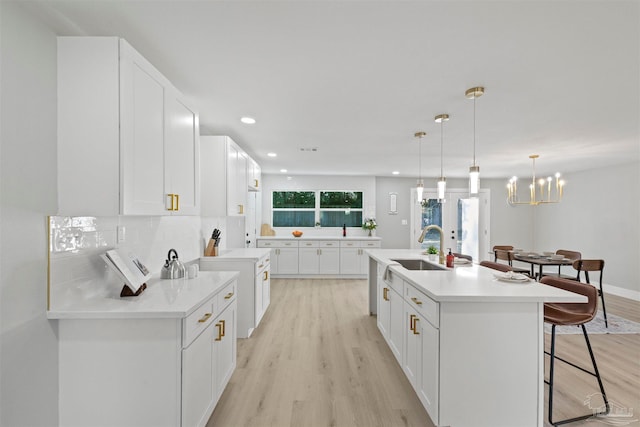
(469, 283)
(253, 254)
(163, 298)
(312, 237)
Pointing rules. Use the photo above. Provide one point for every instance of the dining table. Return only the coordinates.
(541, 261)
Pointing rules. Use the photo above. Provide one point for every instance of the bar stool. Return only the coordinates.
(592, 265)
(463, 256)
(571, 314)
(507, 255)
(496, 266)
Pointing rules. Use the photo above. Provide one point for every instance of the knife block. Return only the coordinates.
(211, 249)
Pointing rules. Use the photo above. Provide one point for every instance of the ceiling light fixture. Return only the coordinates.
(283, 170)
(474, 171)
(395, 173)
(248, 120)
(442, 182)
(272, 155)
(420, 184)
(535, 198)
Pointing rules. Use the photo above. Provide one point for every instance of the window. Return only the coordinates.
(306, 208)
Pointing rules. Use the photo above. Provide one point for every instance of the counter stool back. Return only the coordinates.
(592, 265)
(496, 266)
(463, 256)
(507, 255)
(562, 314)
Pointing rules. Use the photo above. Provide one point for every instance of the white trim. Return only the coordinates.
(621, 292)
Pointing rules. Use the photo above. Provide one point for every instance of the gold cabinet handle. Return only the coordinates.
(224, 332)
(173, 202)
(204, 318)
(240, 209)
(177, 196)
(228, 296)
(266, 276)
(418, 302)
(266, 260)
(412, 317)
(415, 325)
(385, 294)
(220, 327)
(255, 181)
(260, 266)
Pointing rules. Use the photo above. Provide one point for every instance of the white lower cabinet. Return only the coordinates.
(284, 255)
(254, 286)
(353, 259)
(132, 371)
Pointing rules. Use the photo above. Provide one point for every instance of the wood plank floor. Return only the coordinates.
(317, 359)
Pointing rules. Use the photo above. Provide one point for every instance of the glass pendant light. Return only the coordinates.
(420, 184)
(442, 182)
(474, 171)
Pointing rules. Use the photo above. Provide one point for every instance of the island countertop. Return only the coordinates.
(467, 283)
(163, 298)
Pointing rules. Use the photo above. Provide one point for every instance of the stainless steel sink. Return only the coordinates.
(418, 264)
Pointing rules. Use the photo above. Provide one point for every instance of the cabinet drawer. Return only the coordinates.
(424, 305)
(309, 244)
(262, 264)
(371, 244)
(350, 244)
(197, 322)
(277, 244)
(329, 244)
(226, 296)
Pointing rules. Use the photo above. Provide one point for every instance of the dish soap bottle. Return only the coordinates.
(450, 259)
(344, 230)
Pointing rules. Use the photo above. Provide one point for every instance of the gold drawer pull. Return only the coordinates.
(385, 294)
(266, 276)
(220, 327)
(224, 332)
(229, 295)
(204, 318)
(412, 317)
(415, 326)
(414, 299)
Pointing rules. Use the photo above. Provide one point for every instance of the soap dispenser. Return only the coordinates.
(450, 259)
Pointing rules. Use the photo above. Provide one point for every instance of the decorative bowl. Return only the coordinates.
(548, 253)
(297, 233)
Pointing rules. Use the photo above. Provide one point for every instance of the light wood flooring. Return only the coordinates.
(317, 359)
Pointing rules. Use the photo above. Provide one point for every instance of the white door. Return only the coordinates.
(464, 221)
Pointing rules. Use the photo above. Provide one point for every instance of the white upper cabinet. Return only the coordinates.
(228, 174)
(254, 175)
(127, 141)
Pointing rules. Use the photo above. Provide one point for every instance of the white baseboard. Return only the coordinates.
(621, 292)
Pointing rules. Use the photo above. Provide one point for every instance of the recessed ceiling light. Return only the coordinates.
(272, 155)
(283, 170)
(395, 173)
(248, 120)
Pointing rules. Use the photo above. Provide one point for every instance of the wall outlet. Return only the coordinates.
(404, 222)
(122, 233)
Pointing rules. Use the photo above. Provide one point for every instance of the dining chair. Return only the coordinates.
(507, 255)
(496, 266)
(501, 248)
(572, 255)
(566, 314)
(457, 255)
(592, 265)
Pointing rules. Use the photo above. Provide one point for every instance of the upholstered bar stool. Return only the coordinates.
(563, 314)
(592, 265)
(496, 266)
(507, 255)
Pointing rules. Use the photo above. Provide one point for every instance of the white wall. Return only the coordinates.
(366, 184)
(28, 342)
(599, 217)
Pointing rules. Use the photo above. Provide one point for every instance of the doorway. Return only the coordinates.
(464, 221)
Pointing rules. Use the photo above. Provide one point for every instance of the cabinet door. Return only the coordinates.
(224, 348)
(257, 300)
(233, 207)
(198, 378)
(350, 260)
(141, 135)
(329, 262)
(396, 324)
(308, 260)
(266, 289)
(383, 308)
(428, 385)
(287, 262)
(182, 160)
(412, 346)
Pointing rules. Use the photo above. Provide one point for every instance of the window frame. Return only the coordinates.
(317, 209)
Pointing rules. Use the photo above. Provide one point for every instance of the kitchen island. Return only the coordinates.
(471, 346)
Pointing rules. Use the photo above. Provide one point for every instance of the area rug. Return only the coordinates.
(617, 325)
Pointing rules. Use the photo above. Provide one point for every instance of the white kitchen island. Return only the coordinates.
(471, 346)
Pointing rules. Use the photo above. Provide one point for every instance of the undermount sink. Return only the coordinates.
(418, 264)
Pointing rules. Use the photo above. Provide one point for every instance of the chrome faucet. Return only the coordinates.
(424, 233)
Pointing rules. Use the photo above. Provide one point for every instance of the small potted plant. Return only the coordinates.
(432, 252)
(369, 224)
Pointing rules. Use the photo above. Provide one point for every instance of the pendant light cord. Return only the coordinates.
(441, 144)
(474, 130)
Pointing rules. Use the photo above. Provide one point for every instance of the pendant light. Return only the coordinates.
(474, 171)
(420, 184)
(442, 182)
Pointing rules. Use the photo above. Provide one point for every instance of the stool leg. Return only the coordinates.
(551, 369)
(604, 309)
(596, 372)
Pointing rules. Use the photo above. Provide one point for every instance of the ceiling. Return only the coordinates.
(357, 79)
